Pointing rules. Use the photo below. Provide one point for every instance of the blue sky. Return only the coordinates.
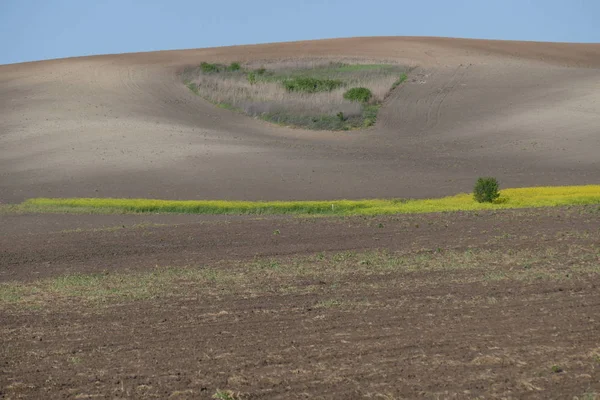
(43, 29)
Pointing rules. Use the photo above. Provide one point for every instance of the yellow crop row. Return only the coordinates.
(510, 198)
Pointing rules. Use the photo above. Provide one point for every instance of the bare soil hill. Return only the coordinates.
(125, 125)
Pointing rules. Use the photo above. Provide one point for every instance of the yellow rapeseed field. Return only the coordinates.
(510, 198)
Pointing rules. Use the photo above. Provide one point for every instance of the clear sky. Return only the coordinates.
(43, 29)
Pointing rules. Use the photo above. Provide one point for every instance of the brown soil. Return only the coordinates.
(74, 245)
(125, 125)
(444, 333)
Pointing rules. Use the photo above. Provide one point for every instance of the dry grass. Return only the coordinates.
(271, 97)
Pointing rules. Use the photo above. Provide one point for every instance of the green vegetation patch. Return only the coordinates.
(360, 94)
(510, 198)
(400, 81)
(319, 95)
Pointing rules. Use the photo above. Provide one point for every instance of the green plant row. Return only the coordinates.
(510, 198)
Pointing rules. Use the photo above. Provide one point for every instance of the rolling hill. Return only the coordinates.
(126, 126)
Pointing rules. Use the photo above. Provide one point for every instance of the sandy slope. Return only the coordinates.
(124, 125)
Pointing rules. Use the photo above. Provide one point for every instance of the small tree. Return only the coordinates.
(486, 190)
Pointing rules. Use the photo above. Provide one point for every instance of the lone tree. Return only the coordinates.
(486, 190)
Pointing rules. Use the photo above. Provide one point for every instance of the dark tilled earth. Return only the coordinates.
(35, 245)
(453, 333)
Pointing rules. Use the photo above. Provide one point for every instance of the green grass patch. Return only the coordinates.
(510, 198)
(400, 81)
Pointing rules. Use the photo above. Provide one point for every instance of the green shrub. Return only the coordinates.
(360, 94)
(261, 71)
(208, 68)
(251, 77)
(340, 115)
(235, 66)
(311, 85)
(486, 190)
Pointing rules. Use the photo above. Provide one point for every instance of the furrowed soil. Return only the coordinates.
(456, 305)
